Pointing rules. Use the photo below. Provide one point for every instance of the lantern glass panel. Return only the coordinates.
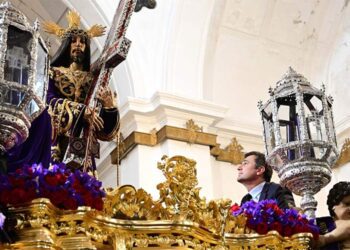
(316, 127)
(315, 119)
(18, 55)
(288, 118)
(268, 110)
(312, 103)
(31, 108)
(276, 162)
(332, 158)
(289, 125)
(283, 131)
(318, 152)
(283, 113)
(41, 69)
(14, 97)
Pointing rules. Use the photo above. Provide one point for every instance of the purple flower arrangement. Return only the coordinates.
(266, 216)
(66, 189)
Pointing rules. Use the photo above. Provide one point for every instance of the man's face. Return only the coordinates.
(247, 171)
(77, 48)
(342, 210)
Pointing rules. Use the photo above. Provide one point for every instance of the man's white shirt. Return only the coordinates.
(256, 191)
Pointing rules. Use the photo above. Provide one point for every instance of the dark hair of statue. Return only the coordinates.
(337, 193)
(62, 56)
(260, 161)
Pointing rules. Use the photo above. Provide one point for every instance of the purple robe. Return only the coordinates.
(67, 97)
(37, 147)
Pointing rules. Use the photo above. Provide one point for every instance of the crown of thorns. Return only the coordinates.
(73, 29)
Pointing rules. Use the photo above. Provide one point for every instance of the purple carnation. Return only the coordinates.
(267, 213)
(65, 188)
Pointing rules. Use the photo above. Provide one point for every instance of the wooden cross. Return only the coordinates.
(115, 49)
(114, 52)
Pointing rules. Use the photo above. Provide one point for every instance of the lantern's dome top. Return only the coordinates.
(293, 82)
(290, 77)
(9, 14)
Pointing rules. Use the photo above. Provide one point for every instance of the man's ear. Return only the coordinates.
(261, 170)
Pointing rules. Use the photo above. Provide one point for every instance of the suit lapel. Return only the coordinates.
(264, 192)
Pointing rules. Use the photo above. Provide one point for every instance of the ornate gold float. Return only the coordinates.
(131, 219)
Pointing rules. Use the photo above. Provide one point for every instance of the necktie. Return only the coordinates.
(246, 198)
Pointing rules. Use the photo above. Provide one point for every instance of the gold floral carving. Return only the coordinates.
(233, 153)
(192, 130)
(178, 199)
(131, 219)
(191, 125)
(344, 156)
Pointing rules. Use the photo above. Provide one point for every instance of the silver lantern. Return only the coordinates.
(23, 76)
(299, 135)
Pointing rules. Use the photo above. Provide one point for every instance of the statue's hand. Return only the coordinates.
(93, 119)
(107, 98)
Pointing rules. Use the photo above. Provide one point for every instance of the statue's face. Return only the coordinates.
(77, 48)
(342, 210)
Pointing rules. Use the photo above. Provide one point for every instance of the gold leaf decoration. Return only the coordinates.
(192, 129)
(96, 30)
(236, 151)
(130, 219)
(344, 156)
(53, 28)
(73, 19)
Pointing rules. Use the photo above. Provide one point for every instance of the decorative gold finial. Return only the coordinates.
(235, 151)
(73, 19)
(73, 29)
(344, 156)
(192, 128)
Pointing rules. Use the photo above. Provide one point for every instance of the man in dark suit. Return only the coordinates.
(255, 174)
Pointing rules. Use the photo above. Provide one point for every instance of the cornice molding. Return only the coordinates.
(342, 128)
(228, 125)
(232, 153)
(166, 109)
(166, 100)
(166, 115)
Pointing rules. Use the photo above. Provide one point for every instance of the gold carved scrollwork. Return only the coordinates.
(180, 195)
(236, 151)
(131, 219)
(179, 199)
(344, 156)
(128, 203)
(192, 130)
(233, 153)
